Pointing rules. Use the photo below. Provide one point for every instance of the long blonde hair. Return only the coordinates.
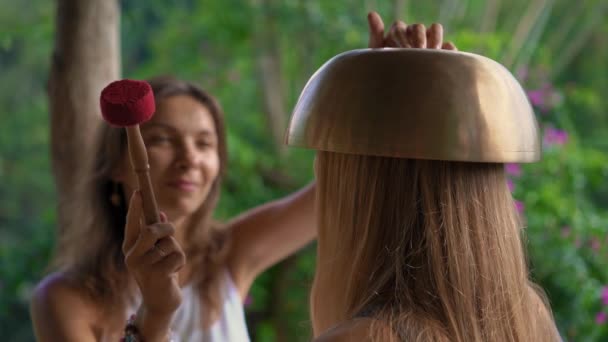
(431, 249)
(89, 247)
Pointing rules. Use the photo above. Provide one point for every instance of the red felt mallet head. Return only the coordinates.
(127, 102)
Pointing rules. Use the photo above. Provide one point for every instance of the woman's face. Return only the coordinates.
(181, 140)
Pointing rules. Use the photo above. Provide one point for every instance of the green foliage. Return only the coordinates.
(213, 43)
(565, 209)
(27, 200)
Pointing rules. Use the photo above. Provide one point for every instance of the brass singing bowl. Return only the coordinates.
(419, 104)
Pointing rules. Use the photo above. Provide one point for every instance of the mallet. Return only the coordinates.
(128, 103)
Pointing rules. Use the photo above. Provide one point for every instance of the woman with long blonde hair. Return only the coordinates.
(417, 243)
(431, 249)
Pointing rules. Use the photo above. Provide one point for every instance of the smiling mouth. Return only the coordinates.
(183, 185)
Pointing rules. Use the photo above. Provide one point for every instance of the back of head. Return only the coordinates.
(416, 225)
(431, 248)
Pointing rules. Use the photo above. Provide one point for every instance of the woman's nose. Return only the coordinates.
(188, 157)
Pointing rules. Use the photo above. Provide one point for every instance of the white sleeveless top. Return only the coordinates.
(229, 327)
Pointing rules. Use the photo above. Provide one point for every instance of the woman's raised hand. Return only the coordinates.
(405, 36)
(153, 257)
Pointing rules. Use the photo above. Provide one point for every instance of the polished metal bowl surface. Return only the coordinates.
(416, 103)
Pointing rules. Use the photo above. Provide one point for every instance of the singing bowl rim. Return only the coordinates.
(509, 133)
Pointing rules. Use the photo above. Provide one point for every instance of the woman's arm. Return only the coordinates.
(270, 233)
(59, 312)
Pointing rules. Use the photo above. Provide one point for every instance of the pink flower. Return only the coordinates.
(604, 295)
(520, 206)
(555, 136)
(566, 231)
(248, 301)
(545, 98)
(510, 185)
(537, 97)
(600, 318)
(513, 169)
(595, 244)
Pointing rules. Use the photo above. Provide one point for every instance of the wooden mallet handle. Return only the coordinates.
(139, 161)
(127, 103)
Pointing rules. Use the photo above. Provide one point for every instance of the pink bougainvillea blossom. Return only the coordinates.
(595, 244)
(555, 136)
(510, 185)
(545, 98)
(513, 169)
(537, 97)
(248, 301)
(604, 295)
(519, 205)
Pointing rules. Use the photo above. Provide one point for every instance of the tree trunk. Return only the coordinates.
(86, 57)
(270, 77)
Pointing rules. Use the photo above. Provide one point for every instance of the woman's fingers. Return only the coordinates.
(132, 226)
(449, 46)
(391, 39)
(416, 35)
(406, 36)
(148, 237)
(161, 250)
(434, 36)
(401, 35)
(171, 263)
(376, 30)
(396, 36)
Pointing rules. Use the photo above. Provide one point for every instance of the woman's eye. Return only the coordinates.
(204, 144)
(158, 139)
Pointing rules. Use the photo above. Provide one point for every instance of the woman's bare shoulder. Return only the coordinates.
(59, 288)
(58, 306)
